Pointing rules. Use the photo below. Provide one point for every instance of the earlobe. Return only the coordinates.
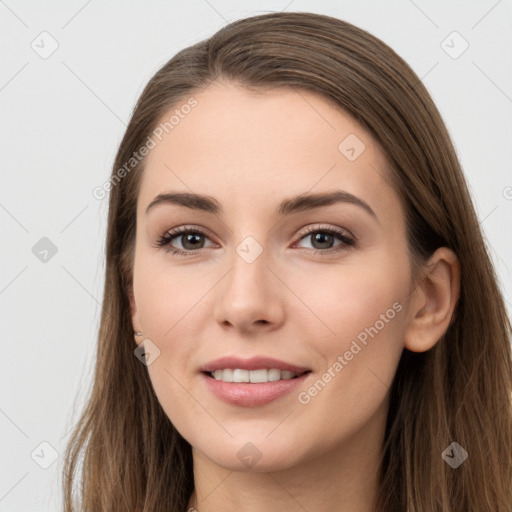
(133, 309)
(434, 301)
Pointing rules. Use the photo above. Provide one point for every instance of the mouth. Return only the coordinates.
(252, 382)
(259, 376)
(237, 387)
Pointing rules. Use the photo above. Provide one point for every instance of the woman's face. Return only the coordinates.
(321, 285)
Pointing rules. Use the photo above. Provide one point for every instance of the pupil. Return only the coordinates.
(189, 238)
(321, 237)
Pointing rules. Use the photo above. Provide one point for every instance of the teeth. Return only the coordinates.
(258, 375)
(241, 375)
(274, 375)
(254, 376)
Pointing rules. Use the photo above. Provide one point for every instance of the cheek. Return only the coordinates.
(352, 299)
(166, 309)
(172, 390)
(363, 313)
(168, 304)
(164, 296)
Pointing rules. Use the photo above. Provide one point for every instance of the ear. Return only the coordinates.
(134, 315)
(433, 301)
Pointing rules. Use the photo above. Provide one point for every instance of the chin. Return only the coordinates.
(267, 463)
(253, 454)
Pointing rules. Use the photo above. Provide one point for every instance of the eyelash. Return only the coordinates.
(166, 239)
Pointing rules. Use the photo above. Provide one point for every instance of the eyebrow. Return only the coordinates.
(291, 205)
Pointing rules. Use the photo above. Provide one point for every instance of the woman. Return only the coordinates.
(300, 312)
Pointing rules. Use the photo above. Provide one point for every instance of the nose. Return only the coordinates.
(250, 297)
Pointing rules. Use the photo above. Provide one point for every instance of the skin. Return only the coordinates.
(250, 151)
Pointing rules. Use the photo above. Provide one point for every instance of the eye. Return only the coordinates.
(192, 239)
(189, 237)
(323, 237)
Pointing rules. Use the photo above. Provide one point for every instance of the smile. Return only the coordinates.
(253, 376)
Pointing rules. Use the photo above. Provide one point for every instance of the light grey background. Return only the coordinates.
(62, 119)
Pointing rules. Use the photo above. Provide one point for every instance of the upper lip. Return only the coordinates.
(253, 363)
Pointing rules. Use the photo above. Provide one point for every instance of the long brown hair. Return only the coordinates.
(130, 456)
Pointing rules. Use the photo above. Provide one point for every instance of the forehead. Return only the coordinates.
(245, 147)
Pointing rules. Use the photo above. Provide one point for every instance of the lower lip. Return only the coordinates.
(252, 395)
